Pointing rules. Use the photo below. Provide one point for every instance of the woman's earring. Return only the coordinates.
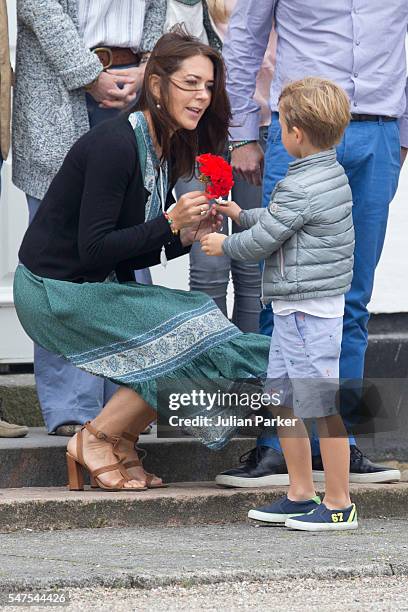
(158, 105)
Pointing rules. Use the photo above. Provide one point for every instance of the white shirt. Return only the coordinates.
(111, 23)
(325, 307)
(191, 15)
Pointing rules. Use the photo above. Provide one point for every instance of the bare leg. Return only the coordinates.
(335, 450)
(124, 409)
(140, 423)
(296, 450)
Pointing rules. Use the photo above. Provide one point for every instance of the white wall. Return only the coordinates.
(391, 287)
(15, 346)
(390, 292)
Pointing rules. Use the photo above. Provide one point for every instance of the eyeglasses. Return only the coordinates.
(191, 85)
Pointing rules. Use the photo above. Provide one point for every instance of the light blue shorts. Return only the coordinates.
(304, 364)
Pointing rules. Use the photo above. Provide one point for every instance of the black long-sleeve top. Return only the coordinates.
(91, 220)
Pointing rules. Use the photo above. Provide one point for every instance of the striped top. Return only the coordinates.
(114, 23)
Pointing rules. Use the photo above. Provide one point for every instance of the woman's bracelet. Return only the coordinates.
(171, 223)
(239, 143)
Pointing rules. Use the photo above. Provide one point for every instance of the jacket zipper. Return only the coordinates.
(262, 289)
(282, 262)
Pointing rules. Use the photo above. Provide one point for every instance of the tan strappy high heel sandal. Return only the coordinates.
(151, 484)
(76, 465)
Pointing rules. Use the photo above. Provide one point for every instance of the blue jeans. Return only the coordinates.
(370, 155)
(66, 393)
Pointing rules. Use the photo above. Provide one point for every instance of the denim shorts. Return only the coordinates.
(304, 364)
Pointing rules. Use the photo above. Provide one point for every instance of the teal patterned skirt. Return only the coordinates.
(144, 337)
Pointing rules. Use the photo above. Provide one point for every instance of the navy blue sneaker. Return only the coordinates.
(323, 519)
(283, 509)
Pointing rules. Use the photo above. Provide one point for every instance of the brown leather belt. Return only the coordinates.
(116, 56)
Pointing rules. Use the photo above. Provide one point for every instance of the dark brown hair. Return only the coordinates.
(182, 146)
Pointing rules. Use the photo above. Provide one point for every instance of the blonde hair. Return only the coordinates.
(218, 10)
(319, 107)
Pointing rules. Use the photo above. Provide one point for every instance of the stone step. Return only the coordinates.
(180, 504)
(19, 401)
(39, 459)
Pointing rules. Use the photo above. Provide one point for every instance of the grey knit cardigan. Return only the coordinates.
(306, 234)
(52, 68)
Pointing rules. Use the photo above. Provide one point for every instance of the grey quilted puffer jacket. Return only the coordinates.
(306, 234)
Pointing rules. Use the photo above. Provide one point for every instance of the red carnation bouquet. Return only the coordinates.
(216, 173)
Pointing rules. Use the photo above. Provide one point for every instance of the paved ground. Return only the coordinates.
(217, 569)
(151, 558)
(306, 595)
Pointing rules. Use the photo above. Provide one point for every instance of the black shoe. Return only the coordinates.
(362, 470)
(262, 467)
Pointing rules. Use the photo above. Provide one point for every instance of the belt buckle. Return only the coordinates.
(110, 55)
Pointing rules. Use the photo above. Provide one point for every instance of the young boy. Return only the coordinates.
(306, 238)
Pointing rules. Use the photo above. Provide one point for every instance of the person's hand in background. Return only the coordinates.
(247, 162)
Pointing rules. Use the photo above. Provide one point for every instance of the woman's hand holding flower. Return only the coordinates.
(212, 244)
(212, 222)
(189, 209)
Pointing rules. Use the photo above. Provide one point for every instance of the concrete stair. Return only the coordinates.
(34, 496)
(181, 504)
(39, 459)
(19, 401)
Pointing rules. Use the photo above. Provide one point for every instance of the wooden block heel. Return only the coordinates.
(75, 474)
